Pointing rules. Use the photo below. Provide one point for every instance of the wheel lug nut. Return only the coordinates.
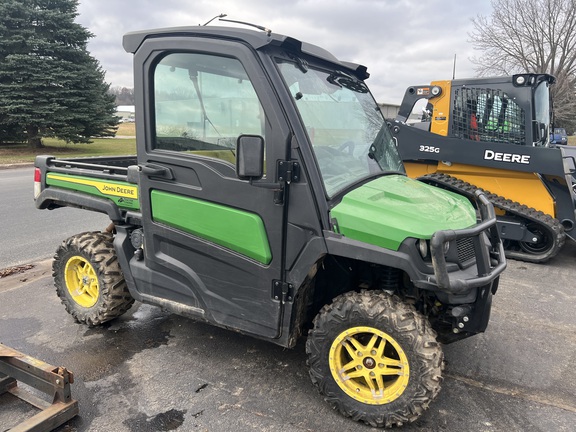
(372, 374)
(373, 352)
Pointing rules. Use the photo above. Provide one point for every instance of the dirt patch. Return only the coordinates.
(15, 270)
(16, 276)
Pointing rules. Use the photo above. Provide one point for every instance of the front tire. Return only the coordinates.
(374, 358)
(89, 280)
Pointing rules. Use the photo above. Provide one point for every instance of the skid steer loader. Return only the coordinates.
(493, 134)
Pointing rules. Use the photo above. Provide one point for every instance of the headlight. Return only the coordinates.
(422, 247)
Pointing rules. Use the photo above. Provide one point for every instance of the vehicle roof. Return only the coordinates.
(256, 39)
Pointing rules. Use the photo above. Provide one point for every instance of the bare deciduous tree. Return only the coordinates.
(531, 36)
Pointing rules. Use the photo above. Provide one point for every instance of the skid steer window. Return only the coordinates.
(487, 115)
(202, 104)
(542, 112)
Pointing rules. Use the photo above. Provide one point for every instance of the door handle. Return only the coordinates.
(153, 170)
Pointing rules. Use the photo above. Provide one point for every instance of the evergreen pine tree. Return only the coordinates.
(50, 85)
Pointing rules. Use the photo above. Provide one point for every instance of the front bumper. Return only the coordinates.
(490, 261)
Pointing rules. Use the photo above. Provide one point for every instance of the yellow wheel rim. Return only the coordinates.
(81, 281)
(369, 365)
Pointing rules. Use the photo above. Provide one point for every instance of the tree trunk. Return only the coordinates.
(33, 136)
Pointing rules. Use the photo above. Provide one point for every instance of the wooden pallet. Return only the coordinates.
(52, 381)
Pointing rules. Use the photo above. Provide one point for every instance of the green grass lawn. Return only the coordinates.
(100, 147)
(20, 153)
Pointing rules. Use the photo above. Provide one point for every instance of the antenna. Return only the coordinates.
(454, 68)
(217, 16)
(259, 27)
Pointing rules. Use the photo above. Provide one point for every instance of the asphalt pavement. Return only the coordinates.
(28, 234)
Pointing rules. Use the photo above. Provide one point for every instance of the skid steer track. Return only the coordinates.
(545, 225)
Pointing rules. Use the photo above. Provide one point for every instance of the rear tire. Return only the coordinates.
(374, 358)
(89, 280)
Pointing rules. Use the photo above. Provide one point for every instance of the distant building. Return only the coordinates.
(389, 110)
(125, 112)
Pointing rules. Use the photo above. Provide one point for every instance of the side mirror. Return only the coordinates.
(250, 157)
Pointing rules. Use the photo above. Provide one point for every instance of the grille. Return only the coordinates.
(487, 115)
(465, 249)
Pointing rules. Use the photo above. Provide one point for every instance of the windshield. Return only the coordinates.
(542, 111)
(348, 133)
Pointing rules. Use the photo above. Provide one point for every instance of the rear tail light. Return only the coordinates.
(37, 182)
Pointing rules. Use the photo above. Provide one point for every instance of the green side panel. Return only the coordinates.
(238, 230)
(386, 211)
(124, 194)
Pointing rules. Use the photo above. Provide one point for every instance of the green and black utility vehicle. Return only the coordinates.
(267, 196)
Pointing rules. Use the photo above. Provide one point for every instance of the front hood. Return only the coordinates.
(385, 211)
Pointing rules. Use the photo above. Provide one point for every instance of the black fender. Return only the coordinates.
(51, 198)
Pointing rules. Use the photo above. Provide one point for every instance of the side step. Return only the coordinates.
(53, 381)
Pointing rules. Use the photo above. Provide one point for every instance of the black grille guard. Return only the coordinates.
(488, 265)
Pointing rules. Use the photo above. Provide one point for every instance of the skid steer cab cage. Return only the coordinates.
(50, 380)
(488, 265)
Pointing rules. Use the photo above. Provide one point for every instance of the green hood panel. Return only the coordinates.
(385, 211)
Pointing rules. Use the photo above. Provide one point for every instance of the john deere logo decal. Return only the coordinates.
(104, 187)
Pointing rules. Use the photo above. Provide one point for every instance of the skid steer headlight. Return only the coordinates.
(422, 247)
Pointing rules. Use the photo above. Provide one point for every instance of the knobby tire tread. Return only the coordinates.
(114, 297)
(379, 310)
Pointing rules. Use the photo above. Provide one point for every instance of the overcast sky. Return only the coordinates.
(402, 42)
